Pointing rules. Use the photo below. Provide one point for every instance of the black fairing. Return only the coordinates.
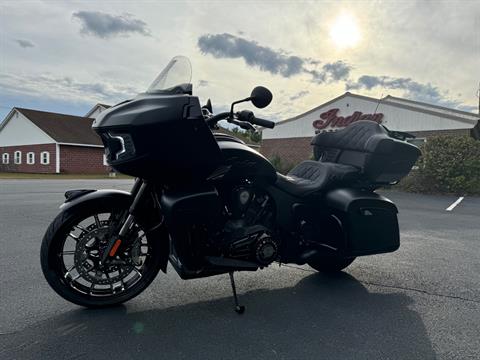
(245, 162)
(165, 136)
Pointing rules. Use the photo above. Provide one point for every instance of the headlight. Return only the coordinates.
(119, 146)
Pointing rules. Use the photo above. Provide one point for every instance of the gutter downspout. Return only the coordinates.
(57, 158)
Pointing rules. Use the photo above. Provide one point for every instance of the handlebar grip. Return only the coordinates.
(262, 122)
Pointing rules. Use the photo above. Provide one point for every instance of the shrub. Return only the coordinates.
(449, 164)
(281, 166)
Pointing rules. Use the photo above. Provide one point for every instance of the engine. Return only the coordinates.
(248, 235)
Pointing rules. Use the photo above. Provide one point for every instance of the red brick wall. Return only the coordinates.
(37, 167)
(290, 150)
(82, 160)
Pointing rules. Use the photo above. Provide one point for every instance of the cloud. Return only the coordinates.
(299, 95)
(330, 72)
(270, 60)
(337, 70)
(105, 26)
(414, 90)
(66, 88)
(24, 43)
(262, 57)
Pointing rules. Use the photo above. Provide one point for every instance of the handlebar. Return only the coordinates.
(211, 121)
(243, 116)
(248, 116)
(262, 122)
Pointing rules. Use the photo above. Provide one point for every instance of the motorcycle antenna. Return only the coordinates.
(378, 104)
(478, 95)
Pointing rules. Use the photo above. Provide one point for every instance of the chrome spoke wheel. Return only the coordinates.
(82, 250)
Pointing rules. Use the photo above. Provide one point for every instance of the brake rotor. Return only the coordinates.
(89, 251)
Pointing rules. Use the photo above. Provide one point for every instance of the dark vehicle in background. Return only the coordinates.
(209, 204)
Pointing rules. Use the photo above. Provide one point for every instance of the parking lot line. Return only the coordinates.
(458, 201)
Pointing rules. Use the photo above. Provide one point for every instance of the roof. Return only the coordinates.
(427, 105)
(409, 105)
(63, 128)
(105, 105)
(93, 109)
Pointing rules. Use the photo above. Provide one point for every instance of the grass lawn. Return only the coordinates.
(4, 175)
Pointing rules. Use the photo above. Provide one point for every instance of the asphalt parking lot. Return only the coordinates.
(421, 302)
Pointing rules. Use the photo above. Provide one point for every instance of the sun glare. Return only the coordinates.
(344, 31)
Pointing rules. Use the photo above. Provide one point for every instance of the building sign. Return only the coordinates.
(330, 118)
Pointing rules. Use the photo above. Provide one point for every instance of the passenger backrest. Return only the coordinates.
(365, 144)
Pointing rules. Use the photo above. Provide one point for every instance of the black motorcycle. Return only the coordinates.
(209, 204)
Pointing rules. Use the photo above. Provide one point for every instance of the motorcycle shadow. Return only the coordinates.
(322, 317)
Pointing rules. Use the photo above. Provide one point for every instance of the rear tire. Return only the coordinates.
(70, 284)
(331, 264)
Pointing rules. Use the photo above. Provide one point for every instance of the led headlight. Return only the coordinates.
(119, 146)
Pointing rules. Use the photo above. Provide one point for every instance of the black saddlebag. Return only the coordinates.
(366, 145)
(369, 221)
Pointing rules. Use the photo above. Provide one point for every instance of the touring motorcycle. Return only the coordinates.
(209, 204)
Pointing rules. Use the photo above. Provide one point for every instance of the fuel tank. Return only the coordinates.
(243, 161)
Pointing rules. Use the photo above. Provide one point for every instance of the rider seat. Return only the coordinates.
(310, 176)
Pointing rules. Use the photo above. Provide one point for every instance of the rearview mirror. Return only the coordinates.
(261, 97)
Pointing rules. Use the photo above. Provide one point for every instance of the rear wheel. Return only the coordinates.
(72, 248)
(331, 263)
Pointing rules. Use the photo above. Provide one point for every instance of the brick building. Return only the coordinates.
(33, 141)
(290, 139)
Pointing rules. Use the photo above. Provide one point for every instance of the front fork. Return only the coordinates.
(139, 190)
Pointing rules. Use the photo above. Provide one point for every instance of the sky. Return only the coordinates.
(66, 56)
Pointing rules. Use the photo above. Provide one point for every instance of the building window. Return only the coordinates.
(44, 158)
(105, 160)
(30, 158)
(5, 158)
(17, 157)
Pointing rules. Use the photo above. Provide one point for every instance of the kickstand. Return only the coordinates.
(240, 309)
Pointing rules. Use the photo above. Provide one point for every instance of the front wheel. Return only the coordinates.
(331, 263)
(72, 248)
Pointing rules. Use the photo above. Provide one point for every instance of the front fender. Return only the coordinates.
(76, 197)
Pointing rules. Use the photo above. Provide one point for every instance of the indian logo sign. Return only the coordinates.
(330, 118)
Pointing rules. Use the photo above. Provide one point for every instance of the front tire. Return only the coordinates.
(70, 251)
(330, 264)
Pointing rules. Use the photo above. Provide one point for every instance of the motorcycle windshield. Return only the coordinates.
(174, 78)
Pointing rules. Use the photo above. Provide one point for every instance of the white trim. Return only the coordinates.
(7, 118)
(32, 161)
(84, 145)
(57, 159)
(17, 159)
